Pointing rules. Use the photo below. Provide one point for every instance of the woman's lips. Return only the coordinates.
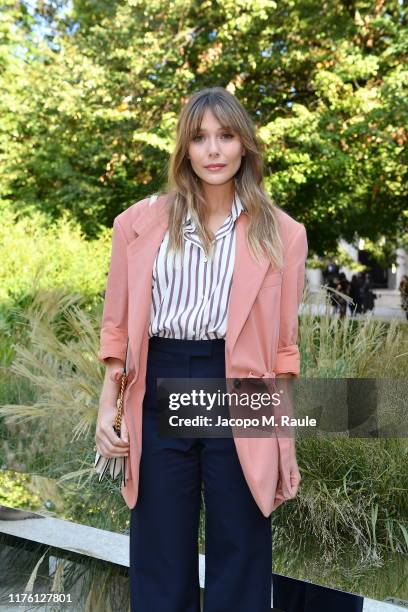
(215, 167)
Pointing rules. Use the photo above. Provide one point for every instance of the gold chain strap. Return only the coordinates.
(119, 404)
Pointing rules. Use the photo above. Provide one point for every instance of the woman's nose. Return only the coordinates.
(213, 145)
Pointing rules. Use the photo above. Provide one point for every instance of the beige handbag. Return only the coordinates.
(115, 466)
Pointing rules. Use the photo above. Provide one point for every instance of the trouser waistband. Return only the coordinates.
(190, 347)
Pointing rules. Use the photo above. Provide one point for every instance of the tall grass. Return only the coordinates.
(50, 431)
(351, 512)
(353, 498)
(349, 348)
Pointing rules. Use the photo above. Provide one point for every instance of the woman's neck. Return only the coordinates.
(219, 198)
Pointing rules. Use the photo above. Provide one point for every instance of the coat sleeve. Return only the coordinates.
(293, 279)
(114, 326)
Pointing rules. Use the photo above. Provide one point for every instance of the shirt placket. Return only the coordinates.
(190, 234)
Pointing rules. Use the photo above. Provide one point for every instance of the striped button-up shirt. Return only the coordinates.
(190, 294)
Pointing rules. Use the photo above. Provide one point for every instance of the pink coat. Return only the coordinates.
(261, 338)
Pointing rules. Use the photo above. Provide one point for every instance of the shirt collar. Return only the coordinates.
(236, 209)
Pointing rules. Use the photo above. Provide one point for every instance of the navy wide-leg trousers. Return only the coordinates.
(290, 595)
(164, 523)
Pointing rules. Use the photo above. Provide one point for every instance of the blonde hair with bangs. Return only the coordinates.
(184, 186)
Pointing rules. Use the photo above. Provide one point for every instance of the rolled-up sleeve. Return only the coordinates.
(114, 325)
(293, 279)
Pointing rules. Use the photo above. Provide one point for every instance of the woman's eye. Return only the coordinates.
(227, 135)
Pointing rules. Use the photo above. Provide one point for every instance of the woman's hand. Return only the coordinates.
(289, 475)
(108, 444)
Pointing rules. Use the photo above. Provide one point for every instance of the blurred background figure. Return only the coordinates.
(342, 285)
(355, 294)
(330, 280)
(403, 288)
(367, 294)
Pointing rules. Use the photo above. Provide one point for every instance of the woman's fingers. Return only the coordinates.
(111, 454)
(113, 439)
(295, 481)
(107, 449)
(289, 481)
(286, 483)
(108, 443)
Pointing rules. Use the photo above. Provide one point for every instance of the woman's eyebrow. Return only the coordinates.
(218, 129)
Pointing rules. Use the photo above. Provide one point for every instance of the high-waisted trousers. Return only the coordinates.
(165, 521)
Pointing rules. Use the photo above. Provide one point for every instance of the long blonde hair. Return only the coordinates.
(185, 189)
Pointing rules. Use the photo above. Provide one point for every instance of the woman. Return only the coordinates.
(206, 281)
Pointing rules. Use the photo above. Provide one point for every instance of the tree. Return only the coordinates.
(94, 110)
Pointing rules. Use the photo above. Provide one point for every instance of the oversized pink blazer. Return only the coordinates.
(261, 337)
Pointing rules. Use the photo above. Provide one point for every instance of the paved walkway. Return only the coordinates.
(387, 306)
(379, 606)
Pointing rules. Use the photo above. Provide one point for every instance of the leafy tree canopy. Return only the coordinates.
(92, 91)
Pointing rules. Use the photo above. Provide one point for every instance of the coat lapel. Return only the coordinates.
(149, 229)
(246, 282)
(141, 251)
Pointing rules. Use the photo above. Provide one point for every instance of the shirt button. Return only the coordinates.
(205, 259)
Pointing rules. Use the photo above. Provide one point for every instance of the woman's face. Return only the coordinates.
(215, 145)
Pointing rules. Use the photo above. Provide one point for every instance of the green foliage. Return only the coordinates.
(349, 348)
(350, 512)
(38, 255)
(326, 89)
(348, 525)
(87, 117)
(50, 432)
(14, 492)
(58, 361)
